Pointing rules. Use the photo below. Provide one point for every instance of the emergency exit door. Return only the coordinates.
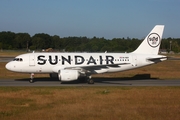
(31, 60)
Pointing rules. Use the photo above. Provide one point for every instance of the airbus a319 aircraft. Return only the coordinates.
(71, 66)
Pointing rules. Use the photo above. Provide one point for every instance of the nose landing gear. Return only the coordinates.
(31, 78)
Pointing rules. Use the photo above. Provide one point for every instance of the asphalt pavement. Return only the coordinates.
(98, 82)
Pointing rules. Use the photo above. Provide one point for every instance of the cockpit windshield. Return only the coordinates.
(18, 59)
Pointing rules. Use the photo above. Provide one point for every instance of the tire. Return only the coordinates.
(31, 80)
(90, 81)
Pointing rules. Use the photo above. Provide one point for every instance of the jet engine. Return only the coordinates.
(68, 75)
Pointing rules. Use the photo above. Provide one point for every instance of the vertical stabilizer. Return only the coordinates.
(152, 42)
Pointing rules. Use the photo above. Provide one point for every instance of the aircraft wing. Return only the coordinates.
(96, 67)
(89, 67)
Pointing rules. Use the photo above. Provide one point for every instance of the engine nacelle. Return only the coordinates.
(68, 75)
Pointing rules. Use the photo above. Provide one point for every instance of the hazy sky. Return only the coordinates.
(100, 18)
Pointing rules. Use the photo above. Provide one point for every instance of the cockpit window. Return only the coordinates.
(18, 59)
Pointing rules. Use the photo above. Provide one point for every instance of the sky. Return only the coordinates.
(101, 18)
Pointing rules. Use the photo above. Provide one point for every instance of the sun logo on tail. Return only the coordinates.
(153, 40)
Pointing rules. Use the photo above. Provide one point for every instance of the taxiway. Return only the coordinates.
(98, 82)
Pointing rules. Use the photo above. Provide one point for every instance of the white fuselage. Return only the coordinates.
(52, 62)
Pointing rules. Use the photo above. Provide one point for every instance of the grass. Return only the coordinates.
(94, 103)
(11, 53)
(90, 103)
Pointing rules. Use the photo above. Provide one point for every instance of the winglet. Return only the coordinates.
(151, 43)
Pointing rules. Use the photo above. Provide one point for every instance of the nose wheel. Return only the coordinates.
(31, 78)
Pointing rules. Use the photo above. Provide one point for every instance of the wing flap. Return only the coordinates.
(97, 67)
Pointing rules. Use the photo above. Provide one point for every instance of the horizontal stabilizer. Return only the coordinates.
(156, 60)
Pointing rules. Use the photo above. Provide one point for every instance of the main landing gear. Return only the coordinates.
(90, 80)
(31, 78)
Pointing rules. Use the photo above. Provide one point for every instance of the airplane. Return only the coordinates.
(72, 66)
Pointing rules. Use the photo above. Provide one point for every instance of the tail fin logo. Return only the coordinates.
(153, 40)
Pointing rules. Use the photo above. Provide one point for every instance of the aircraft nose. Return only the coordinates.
(8, 66)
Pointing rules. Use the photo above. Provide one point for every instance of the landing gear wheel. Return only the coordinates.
(32, 77)
(31, 80)
(90, 81)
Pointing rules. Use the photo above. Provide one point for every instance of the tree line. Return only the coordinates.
(23, 41)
